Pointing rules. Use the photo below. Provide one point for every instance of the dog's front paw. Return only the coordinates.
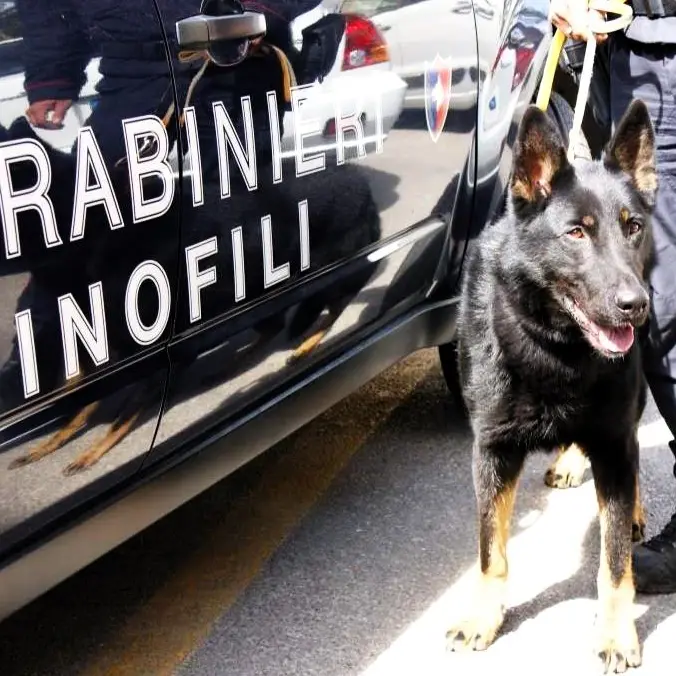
(619, 650)
(478, 630)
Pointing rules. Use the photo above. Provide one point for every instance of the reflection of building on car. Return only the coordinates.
(360, 81)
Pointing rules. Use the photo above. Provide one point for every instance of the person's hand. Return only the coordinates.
(572, 18)
(48, 114)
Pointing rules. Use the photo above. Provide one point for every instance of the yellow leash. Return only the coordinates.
(597, 26)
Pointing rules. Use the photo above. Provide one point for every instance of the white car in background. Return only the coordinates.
(348, 87)
(413, 40)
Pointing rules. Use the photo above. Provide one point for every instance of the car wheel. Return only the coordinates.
(448, 357)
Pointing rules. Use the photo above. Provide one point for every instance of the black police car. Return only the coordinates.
(218, 220)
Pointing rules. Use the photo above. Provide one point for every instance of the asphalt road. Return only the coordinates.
(345, 551)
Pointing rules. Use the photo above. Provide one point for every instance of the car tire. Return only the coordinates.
(448, 358)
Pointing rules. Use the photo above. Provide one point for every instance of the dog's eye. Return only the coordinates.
(634, 227)
(576, 233)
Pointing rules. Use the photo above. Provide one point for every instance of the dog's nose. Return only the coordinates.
(632, 302)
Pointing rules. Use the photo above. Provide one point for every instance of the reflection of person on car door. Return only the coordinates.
(62, 36)
(60, 39)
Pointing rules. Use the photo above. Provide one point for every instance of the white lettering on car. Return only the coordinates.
(89, 159)
(301, 128)
(275, 137)
(271, 275)
(93, 334)
(226, 135)
(75, 325)
(137, 129)
(194, 156)
(198, 279)
(35, 198)
(380, 128)
(153, 272)
(29, 362)
(238, 263)
(348, 122)
(304, 225)
(94, 187)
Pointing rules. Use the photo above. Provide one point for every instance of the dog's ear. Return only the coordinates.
(539, 157)
(632, 150)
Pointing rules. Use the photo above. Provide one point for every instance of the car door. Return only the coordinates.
(316, 210)
(87, 260)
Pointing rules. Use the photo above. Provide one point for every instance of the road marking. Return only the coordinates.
(178, 617)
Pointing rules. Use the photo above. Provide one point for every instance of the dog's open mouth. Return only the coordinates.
(612, 341)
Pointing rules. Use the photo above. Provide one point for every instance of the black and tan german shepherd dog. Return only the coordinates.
(553, 296)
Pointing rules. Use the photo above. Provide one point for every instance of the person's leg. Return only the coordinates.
(650, 74)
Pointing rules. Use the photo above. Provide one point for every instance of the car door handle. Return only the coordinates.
(202, 30)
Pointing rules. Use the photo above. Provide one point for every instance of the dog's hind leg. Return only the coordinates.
(567, 470)
(496, 475)
(614, 467)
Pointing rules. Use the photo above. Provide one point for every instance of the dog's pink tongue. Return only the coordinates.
(616, 340)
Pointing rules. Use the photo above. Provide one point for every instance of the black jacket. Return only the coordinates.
(61, 36)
